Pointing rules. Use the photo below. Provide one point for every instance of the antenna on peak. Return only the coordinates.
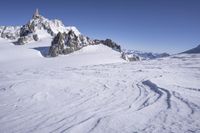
(36, 14)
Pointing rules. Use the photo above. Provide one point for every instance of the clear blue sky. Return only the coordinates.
(150, 25)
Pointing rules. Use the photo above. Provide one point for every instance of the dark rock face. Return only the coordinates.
(71, 40)
(193, 51)
(36, 14)
(25, 30)
(35, 37)
(65, 43)
(23, 40)
(109, 43)
(57, 45)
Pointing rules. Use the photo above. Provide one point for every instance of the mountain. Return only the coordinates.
(10, 32)
(65, 39)
(145, 55)
(40, 27)
(193, 51)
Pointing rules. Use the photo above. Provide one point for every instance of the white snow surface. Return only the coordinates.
(94, 91)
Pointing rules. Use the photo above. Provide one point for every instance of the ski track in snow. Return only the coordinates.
(148, 96)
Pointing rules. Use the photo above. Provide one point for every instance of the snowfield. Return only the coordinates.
(94, 91)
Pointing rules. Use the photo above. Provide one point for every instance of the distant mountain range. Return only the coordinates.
(145, 55)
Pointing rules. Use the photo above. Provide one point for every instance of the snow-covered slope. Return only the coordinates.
(29, 55)
(93, 90)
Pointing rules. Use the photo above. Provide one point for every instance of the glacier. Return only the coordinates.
(94, 90)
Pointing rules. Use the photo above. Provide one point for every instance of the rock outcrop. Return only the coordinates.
(65, 43)
(57, 45)
(129, 57)
(109, 43)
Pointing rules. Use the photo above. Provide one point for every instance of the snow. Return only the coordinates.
(34, 52)
(10, 32)
(94, 90)
(55, 25)
(42, 34)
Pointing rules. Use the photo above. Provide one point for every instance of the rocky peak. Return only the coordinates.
(71, 34)
(36, 14)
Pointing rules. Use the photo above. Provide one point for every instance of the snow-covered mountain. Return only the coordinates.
(145, 55)
(40, 27)
(65, 39)
(10, 32)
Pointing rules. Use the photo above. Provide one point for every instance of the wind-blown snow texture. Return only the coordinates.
(94, 91)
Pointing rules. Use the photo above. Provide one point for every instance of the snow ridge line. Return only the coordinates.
(159, 91)
(76, 124)
(96, 124)
(190, 105)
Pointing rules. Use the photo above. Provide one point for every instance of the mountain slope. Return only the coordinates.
(194, 50)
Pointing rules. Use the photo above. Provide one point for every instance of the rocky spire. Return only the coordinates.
(36, 14)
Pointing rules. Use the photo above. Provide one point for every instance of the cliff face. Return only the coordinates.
(65, 43)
